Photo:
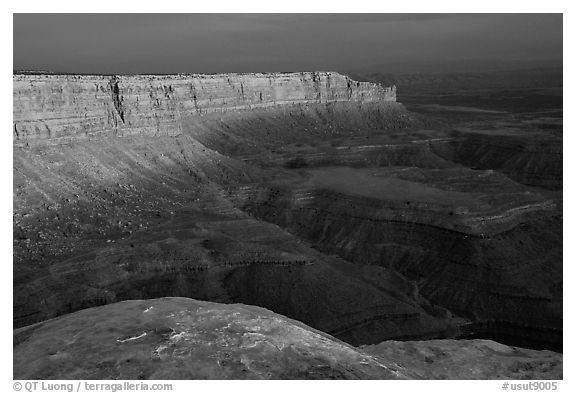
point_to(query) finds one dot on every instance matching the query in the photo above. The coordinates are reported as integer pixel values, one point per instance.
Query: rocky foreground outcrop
(180, 338)
(469, 359)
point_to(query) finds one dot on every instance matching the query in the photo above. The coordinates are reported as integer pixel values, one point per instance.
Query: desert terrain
(371, 226)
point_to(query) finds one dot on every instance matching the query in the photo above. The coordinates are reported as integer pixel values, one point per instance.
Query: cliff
(57, 106)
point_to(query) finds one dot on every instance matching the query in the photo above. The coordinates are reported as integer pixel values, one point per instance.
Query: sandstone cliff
(57, 106)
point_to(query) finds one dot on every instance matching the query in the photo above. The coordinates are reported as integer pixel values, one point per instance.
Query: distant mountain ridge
(528, 78)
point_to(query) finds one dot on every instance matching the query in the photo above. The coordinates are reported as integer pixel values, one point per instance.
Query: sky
(215, 43)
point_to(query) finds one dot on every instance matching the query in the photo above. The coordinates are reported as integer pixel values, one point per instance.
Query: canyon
(312, 195)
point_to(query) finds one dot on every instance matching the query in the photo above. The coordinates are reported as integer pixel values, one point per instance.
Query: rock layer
(475, 267)
(64, 106)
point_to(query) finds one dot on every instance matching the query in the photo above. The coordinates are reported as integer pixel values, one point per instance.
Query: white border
(300, 6)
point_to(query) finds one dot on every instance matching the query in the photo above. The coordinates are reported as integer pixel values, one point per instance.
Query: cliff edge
(56, 106)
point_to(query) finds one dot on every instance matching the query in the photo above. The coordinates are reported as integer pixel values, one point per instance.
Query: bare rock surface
(470, 359)
(180, 338)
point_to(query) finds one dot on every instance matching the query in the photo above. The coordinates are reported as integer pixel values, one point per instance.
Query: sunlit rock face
(61, 106)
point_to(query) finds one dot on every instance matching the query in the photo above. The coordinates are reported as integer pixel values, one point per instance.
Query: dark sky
(212, 43)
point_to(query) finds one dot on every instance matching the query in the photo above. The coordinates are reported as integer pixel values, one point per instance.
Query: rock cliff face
(61, 106)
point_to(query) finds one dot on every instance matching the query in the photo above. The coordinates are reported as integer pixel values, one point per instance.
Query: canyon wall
(61, 106)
